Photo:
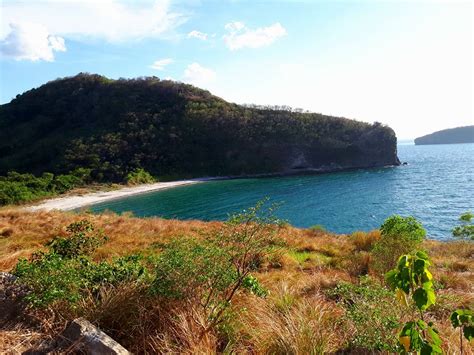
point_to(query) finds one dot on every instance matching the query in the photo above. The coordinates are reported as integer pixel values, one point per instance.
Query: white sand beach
(67, 203)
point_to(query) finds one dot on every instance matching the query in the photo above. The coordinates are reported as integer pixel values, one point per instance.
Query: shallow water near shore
(436, 187)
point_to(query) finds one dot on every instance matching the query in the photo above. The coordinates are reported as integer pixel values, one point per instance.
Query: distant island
(448, 136)
(175, 130)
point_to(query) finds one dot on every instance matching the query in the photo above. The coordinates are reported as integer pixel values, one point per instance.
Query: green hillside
(173, 129)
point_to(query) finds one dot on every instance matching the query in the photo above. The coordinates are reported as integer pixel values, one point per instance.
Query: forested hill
(170, 128)
(448, 136)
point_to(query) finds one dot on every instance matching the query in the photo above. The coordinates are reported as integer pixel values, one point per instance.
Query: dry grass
(364, 241)
(19, 340)
(296, 318)
(289, 325)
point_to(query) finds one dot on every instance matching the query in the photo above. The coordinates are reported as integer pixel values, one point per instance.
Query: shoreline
(69, 203)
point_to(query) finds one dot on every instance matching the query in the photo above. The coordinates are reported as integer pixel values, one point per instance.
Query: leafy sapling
(412, 282)
(464, 320)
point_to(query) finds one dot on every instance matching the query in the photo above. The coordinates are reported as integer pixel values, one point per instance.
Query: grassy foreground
(322, 293)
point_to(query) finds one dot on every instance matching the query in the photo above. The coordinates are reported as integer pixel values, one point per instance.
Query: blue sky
(404, 63)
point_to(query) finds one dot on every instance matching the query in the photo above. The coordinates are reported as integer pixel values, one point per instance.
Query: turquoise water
(436, 187)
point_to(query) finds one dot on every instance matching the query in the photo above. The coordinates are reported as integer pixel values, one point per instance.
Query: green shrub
(408, 227)
(84, 174)
(13, 193)
(139, 176)
(17, 188)
(189, 268)
(466, 229)
(65, 272)
(51, 277)
(399, 235)
(81, 241)
(373, 312)
(63, 183)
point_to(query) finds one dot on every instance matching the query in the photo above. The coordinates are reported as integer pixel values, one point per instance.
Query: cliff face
(168, 128)
(448, 136)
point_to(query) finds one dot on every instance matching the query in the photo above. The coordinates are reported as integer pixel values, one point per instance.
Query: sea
(435, 186)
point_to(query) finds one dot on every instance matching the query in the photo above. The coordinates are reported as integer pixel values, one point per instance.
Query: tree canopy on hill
(114, 127)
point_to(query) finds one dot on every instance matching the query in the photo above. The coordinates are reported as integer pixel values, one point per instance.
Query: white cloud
(28, 41)
(161, 63)
(112, 20)
(198, 75)
(197, 34)
(234, 26)
(240, 36)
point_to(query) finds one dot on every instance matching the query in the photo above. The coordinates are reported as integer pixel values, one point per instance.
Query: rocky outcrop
(82, 337)
(11, 294)
(376, 147)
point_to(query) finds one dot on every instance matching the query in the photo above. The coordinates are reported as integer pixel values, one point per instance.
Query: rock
(81, 336)
(11, 295)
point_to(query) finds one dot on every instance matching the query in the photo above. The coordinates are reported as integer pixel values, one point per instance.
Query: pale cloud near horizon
(29, 41)
(161, 63)
(111, 20)
(198, 34)
(198, 75)
(240, 36)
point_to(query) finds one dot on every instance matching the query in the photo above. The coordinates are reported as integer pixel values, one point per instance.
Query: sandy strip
(67, 203)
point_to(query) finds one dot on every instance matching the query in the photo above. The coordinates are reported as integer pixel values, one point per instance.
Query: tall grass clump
(290, 324)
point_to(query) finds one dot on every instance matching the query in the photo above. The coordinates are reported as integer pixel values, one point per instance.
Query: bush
(407, 227)
(399, 235)
(189, 268)
(139, 176)
(81, 241)
(65, 272)
(63, 183)
(372, 311)
(51, 277)
(466, 229)
(16, 188)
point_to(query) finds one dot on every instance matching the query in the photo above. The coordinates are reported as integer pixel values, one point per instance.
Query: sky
(407, 64)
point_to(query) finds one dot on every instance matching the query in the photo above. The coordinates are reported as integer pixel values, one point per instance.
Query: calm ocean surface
(436, 187)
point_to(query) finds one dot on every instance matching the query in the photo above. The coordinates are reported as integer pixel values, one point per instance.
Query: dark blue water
(436, 187)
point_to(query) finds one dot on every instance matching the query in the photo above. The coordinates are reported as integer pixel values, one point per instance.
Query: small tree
(466, 229)
(210, 271)
(411, 279)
